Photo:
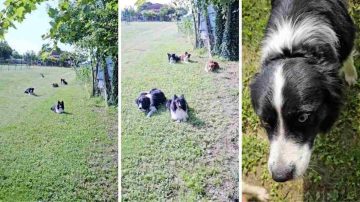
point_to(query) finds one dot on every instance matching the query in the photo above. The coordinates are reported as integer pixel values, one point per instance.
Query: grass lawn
(334, 170)
(164, 160)
(50, 157)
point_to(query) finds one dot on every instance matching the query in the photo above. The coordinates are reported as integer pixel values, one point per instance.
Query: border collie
(30, 91)
(63, 82)
(173, 58)
(149, 102)
(58, 108)
(178, 108)
(298, 91)
(185, 57)
(211, 66)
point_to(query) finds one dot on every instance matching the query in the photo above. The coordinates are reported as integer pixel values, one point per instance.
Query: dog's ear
(137, 101)
(174, 97)
(182, 96)
(189, 55)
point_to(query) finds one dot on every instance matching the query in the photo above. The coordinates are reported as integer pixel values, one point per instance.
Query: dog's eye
(303, 117)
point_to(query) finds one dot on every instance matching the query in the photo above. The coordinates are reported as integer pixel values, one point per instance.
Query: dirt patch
(226, 148)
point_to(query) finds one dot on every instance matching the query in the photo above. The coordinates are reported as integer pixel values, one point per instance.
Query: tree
(30, 57)
(5, 50)
(16, 55)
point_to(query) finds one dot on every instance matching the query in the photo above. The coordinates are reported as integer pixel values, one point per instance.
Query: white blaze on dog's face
(293, 106)
(288, 159)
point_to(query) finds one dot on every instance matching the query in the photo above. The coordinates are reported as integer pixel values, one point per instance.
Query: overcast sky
(27, 36)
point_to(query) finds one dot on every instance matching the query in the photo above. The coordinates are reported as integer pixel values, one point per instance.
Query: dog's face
(180, 102)
(60, 106)
(143, 102)
(294, 102)
(172, 58)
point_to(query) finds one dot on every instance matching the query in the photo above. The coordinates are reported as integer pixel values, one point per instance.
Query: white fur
(350, 70)
(152, 110)
(179, 115)
(59, 111)
(285, 151)
(288, 32)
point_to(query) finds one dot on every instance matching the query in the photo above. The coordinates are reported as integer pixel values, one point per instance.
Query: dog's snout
(282, 173)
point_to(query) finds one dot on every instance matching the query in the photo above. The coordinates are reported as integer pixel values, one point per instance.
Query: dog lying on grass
(178, 108)
(149, 102)
(30, 91)
(212, 66)
(58, 108)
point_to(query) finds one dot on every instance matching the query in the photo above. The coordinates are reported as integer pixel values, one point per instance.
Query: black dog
(178, 108)
(150, 101)
(298, 92)
(55, 85)
(59, 107)
(63, 82)
(173, 58)
(30, 91)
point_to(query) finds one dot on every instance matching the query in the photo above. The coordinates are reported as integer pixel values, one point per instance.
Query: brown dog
(185, 57)
(212, 66)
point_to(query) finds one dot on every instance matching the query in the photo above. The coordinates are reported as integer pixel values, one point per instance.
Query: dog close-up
(185, 57)
(178, 108)
(299, 90)
(173, 58)
(211, 66)
(55, 85)
(63, 82)
(29, 91)
(59, 107)
(149, 102)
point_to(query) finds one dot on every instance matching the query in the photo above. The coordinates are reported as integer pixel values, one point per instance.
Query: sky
(127, 3)
(27, 35)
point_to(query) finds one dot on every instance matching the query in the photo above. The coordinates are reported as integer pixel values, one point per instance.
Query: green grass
(164, 160)
(50, 157)
(334, 171)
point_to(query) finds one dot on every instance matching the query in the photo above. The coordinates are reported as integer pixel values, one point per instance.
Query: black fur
(63, 82)
(55, 85)
(59, 106)
(29, 91)
(153, 98)
(173, 58)
(177, 102)
(311, 70)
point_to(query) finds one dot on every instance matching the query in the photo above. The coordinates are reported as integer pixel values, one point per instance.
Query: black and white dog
(298, 91)
(55, 85)
(30, 91)
(178, 108)
(63, 82)
(149, 102)
(173, 58)
(59, 107)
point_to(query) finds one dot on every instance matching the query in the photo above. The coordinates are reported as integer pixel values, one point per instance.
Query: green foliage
(5, 50)
(230, 40)
(84, 73)
(219, 31)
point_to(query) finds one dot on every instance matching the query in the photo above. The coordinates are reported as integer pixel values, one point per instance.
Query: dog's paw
(262, 195)
(351, 79)
(178, 121)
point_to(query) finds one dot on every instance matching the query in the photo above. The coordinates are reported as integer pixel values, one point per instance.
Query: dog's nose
(283, 173)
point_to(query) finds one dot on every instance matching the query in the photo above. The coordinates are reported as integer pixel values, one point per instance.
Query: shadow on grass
(194, 120)
(334, 171)
(67, 113)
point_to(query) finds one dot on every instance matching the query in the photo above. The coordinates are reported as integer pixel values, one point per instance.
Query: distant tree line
(147, 11)
(47, 56)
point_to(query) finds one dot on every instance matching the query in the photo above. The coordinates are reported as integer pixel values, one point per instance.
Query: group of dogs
(59, 107)
(149, 102)
(210, 66)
